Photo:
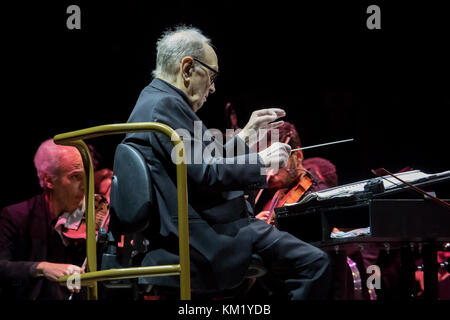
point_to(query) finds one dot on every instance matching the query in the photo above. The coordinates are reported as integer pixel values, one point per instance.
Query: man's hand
(276, 156)
(262, 119)
(53, 271)
(265, 216)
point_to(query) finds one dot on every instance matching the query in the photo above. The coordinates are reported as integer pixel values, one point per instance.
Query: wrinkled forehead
(70, 159)
(211, 57)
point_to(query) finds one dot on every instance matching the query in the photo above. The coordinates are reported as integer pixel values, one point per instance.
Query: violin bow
(275, 200)
(383, 172)
(104, 222)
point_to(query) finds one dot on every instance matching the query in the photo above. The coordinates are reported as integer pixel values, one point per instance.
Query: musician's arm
(222, 173)
(9, 233)
(24, 270)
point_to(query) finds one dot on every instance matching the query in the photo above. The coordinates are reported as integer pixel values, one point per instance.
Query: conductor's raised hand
(262, 119)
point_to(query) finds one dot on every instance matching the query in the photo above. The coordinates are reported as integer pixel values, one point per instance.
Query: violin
(101, 205)
(101, 220)
(294, 195)
(281, 197)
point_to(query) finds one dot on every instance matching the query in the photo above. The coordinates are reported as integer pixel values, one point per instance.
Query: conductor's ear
(187, 68)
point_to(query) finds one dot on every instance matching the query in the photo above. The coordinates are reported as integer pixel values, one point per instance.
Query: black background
(336, 79)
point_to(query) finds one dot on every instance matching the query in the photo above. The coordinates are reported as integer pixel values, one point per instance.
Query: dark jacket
(23, 239)
(221, 247)
(27, 238)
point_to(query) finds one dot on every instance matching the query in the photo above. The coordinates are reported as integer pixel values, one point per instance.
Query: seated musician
(33, 252)
(223, 237)
(300, 177)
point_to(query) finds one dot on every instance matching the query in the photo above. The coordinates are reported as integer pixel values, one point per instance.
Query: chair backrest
(131, 190)
(135, 214)
(130, 212)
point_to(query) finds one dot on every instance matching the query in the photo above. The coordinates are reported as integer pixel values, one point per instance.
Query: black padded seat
(131, 190)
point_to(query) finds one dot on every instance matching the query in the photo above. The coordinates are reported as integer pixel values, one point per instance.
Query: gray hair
(176, 44)
(46, 160)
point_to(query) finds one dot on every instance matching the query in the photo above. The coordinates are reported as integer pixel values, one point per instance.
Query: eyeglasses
(212, 77)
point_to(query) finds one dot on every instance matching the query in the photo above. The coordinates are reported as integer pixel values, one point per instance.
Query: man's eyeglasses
(213, 76)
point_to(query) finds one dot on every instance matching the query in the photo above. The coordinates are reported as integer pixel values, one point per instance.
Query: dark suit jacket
(27, 238)
(221, 245)
(23, 243)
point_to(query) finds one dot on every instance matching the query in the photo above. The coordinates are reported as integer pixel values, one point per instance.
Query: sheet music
(389, 182)
(350, 234)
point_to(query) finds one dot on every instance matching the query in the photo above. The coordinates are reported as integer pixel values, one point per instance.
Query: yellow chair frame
(92, 276)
